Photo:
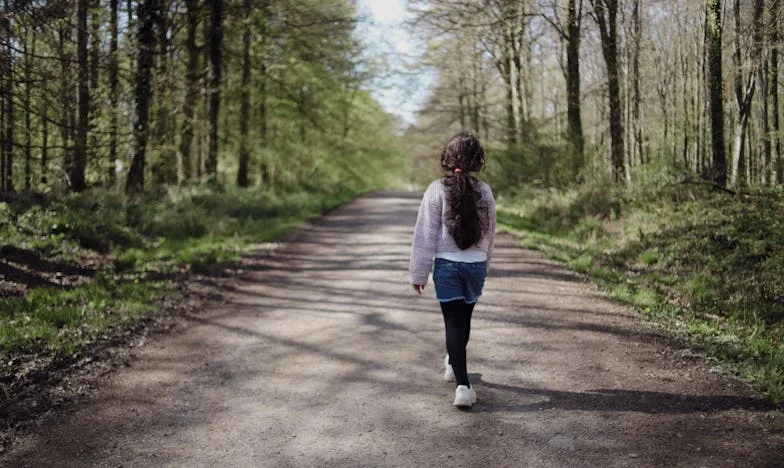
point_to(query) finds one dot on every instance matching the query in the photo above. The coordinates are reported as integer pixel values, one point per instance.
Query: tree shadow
(36, 262)
(16, 275)
(506, 398)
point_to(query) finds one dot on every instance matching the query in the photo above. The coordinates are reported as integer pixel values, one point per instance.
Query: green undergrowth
(705, 265)
(141, 243)
(60, 323)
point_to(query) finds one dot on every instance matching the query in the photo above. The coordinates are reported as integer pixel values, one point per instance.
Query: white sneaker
(449, 373)
(465, 396)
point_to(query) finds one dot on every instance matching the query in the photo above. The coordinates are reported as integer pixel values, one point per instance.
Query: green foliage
(706, 264)
(60, 323)
(190, 229)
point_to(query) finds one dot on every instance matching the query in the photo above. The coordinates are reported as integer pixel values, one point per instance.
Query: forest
(639, 142)
(145, 141)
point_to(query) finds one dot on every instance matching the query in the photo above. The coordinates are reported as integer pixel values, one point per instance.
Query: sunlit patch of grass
(650, 256)
(646, 298)
(583, 264)
(59, 322)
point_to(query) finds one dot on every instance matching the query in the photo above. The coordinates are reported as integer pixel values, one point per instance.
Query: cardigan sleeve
(491, 225)
(426, 233)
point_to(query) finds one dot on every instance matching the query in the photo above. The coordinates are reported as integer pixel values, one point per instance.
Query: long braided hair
(467, 218)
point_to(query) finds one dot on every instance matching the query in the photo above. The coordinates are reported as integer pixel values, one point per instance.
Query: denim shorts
(458, 280)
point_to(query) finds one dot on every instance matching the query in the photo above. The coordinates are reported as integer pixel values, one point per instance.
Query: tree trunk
(95, 11)
(461, 105)
(606, 12)
(28, 131)
(7, 103)
(262, 94)
(165, 170)
(713, 33)
(66, 111)
(191, 89)
(511, 127)
(768, 172)
(744, 94)
(573, 85)
(77, 171)
(113, 93)
(45, 142)
(216, 57)
(242, 172)
(636, 96)
(146, 19)
(775, 40)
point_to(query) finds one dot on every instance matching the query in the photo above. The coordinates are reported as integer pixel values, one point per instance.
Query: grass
(705, 266)
(50, 321)
(140, 240)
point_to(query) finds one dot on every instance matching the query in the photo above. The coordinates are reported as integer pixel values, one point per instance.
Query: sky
(403, 88)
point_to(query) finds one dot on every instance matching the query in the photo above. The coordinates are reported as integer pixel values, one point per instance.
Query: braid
(466, 220)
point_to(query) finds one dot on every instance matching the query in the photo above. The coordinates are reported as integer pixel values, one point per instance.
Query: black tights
(457, 320)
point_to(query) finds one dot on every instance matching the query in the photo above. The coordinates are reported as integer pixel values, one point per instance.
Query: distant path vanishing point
(323, 356)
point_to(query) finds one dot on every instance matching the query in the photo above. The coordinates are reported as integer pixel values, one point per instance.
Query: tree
(713, 33)
(6, 104)
(574, 22)
(745, 85)
(606, 15)
(636, 97)
(571, 34)
(79, 163)
(28, 150)
(242, 171)
(191, 88)
(114, 83)
(216, 57)
(774, 26)
(145, 21)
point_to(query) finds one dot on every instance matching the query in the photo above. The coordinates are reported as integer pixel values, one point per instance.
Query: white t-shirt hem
(464, 256)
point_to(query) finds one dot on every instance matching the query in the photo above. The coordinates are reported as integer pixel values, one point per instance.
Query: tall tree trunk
(768, 171)
(113, 92)
(191, 88)
(744, 93)
(166, 166)
(606, 12)
(636, 95)
(7, 103)
(264, 168)
(242, 172)
(713, 33)
(77, 171)
(4, 30)
(66, 94)
(775, 41)
(216, 59)
(461, 104)
(44, 142)
(95, 48)
(511, 126)
(574, 20)
(28, 131)
(761, 31)
(4, 64)
(146, 19)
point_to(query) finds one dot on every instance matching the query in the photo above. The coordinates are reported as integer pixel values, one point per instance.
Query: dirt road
(323, 356)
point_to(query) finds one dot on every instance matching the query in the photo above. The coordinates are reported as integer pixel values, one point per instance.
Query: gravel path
(323, 356)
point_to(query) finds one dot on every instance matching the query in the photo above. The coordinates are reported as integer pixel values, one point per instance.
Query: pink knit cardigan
(431, 235)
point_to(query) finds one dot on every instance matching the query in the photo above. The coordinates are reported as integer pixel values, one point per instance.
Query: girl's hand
(418, 288)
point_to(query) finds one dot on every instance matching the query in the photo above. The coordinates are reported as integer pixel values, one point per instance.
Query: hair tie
(458, 170)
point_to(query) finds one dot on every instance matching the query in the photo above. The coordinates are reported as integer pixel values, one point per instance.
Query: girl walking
(456, 227)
